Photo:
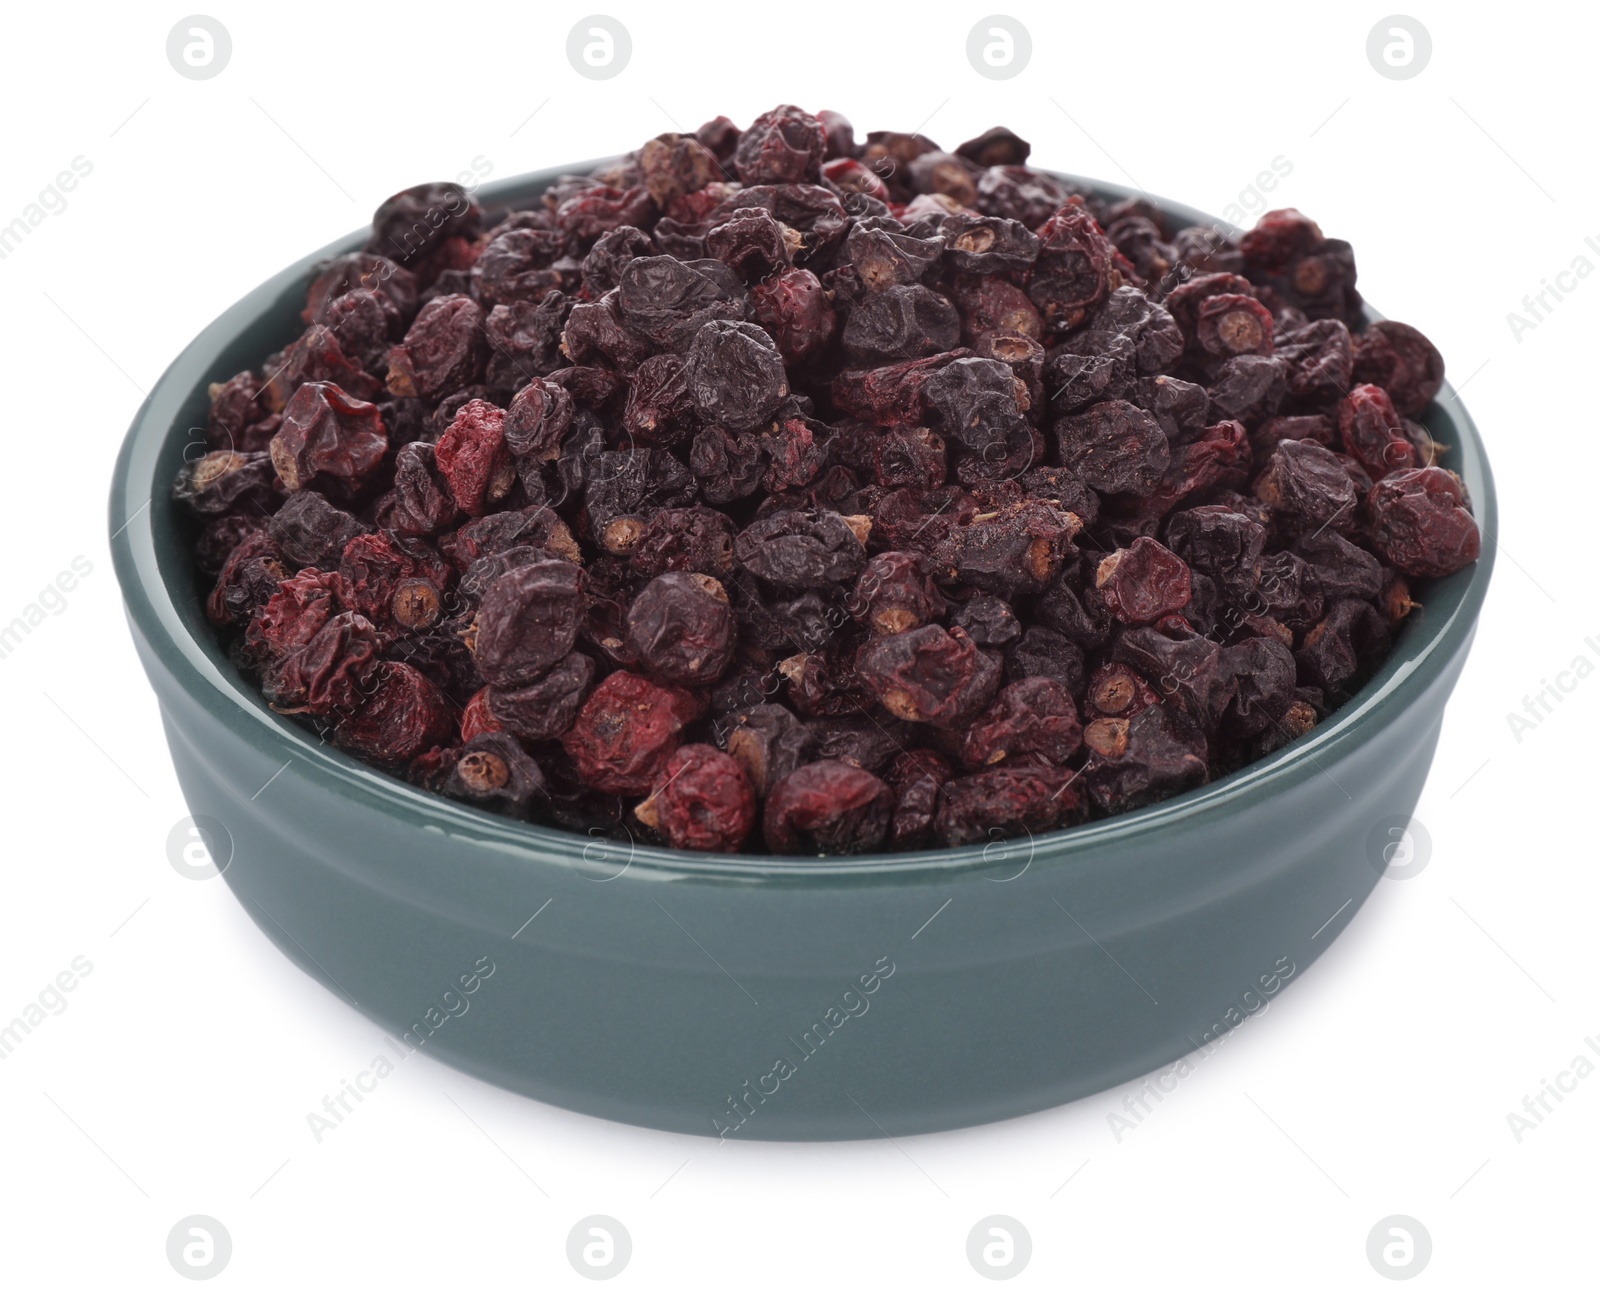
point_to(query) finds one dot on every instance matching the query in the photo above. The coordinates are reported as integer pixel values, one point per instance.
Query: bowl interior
(152, 545)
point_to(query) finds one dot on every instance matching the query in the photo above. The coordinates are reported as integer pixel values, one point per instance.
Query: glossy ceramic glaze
(765, 997)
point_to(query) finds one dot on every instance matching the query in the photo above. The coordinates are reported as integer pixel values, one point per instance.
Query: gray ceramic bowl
(762, 997)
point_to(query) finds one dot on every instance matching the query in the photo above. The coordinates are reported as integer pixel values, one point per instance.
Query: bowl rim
(138, 499)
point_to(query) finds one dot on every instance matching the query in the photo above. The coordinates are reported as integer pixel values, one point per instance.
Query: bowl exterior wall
(838, 1009)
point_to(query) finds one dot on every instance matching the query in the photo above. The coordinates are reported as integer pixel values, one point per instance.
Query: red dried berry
(393, 581)
(1033, 717)
(1015, 799)
(1403, 362)
(1307, 488)
(302, 605)
(1156, 753)
(331, 674)
(224, 481)
(1114, 446)
(1143, 582)
(896, 592)
(1074, 269)
(735, 376)
(930, 674)
(681, 628)
(403, 716)
(1231, 324)
(315, 356)
(545, 707)
(784, 146)
(472, 457)
(917, 777)
(827, 808)
(702, 801)
(1373, 433)
(493, 771)
(443, 351)
(249, 577)
(477, 718)
(328, 439)
(625, 732)
(794, 308)
(1420, 522)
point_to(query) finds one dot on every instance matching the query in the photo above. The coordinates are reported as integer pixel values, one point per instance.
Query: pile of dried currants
(774, 487)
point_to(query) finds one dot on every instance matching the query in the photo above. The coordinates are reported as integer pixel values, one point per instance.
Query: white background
(178, 1078)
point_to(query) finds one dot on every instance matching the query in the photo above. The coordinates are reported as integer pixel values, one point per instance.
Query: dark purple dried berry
(736, 376)
(1114, 447)
(784, 146)
(528, 621)
(827, 808)
(328, 439)
(543, 707)
(1420, 522)
(681, 628)
(929, 675)
(802, 548)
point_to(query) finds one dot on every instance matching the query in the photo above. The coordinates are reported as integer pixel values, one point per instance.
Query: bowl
(763, 997)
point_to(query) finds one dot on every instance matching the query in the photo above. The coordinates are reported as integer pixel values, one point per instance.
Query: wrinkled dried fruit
(901, 497)
(827, 808)
(626, 730)
(528, 621)
(703, 802)
(1421, 524)
(681, 628)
